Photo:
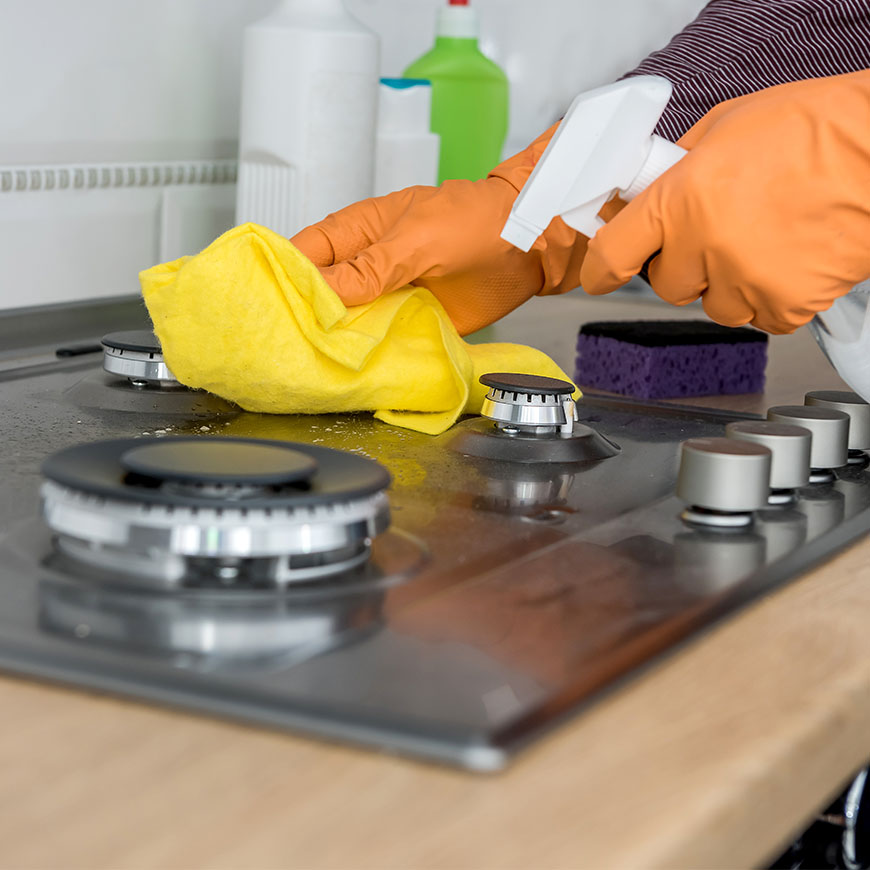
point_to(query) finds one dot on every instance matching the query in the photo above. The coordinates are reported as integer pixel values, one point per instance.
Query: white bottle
(407, 150)
(308, 114)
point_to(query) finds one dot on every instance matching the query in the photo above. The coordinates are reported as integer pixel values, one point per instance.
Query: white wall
(142, 96)
(550, 49)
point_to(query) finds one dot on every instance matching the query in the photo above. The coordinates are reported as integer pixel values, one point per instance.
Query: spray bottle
(605, 146)
(310, 77)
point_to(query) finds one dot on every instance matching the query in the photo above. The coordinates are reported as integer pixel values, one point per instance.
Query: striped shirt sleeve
(737, 47)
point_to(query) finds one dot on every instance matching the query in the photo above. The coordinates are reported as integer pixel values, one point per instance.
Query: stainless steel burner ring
(539, 414)
(529, 403)
(140, 367)
(163, 544)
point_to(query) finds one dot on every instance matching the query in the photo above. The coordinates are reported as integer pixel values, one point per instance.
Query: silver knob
(830, 447)
(790, 447)
(855, 408)
(723, 480)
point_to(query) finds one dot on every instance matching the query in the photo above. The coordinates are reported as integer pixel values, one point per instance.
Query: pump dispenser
(605, 145)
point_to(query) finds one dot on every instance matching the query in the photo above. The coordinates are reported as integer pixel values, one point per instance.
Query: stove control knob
(830, 428)
(790, 450)
(723, 480)
(529, 403)
(858, 412)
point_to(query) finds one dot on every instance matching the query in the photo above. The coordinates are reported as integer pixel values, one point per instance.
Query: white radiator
(81, 231)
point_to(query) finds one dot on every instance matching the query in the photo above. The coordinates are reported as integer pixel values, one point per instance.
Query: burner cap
(221, 461)
(101, 468)
(518, 383)
(137, 340)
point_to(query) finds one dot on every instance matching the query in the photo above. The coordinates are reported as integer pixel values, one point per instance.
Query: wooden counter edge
(713, 758)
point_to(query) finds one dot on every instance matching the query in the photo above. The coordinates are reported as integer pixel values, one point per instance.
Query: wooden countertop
(712, 758)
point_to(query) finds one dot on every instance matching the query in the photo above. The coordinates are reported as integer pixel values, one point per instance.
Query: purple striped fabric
(737, 47)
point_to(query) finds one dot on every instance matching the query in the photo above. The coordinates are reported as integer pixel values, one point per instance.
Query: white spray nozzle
(604, 145)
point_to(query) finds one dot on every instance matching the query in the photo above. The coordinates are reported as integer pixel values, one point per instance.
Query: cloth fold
(252, 320)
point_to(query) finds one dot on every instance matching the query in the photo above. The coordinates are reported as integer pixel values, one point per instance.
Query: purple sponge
(666, 359)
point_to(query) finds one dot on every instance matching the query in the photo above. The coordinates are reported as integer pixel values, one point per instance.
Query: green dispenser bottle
(469, 95)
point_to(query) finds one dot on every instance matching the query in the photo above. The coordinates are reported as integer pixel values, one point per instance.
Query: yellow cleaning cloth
(252, 320)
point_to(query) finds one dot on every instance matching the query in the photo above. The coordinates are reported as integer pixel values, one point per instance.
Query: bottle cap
(458, 20)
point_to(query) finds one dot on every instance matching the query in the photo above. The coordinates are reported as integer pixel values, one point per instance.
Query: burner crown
(529, 403)
(136, 355)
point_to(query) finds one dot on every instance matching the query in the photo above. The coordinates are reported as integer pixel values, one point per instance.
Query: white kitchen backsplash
(550, 49)
(119, 117)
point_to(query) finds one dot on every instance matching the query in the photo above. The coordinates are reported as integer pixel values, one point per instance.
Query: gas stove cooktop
(451, 598)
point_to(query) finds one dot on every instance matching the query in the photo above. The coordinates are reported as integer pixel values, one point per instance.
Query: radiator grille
(17, 179)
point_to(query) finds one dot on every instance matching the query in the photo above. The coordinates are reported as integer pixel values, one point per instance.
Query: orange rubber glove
(446, 239)
(767, 219)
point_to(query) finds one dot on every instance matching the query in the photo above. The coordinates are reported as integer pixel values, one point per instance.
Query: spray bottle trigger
(585, 218)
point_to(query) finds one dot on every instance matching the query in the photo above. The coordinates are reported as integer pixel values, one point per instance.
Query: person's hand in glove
(446, 239)
(767, 219)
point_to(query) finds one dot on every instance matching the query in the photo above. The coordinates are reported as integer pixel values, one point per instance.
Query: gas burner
(529, 404)
(137, 356)
(213, 513)
(535, 420)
